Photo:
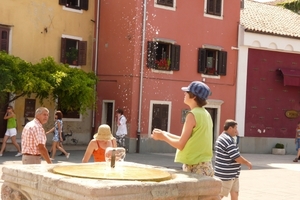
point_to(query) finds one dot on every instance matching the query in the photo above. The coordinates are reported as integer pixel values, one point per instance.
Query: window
(29, 110)
(165, 4)
(214, 7)
(160, 113)
(163, 56)
(169, 3)
(76, 4)
(74, 114)
(73, 52)
(212, 61)
(4, 39)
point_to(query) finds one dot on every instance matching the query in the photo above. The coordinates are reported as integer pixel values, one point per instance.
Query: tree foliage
(293, 5)
(47, 80)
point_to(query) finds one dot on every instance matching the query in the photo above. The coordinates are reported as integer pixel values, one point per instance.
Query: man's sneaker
(1, 155)
(18, 154)
(68, 155)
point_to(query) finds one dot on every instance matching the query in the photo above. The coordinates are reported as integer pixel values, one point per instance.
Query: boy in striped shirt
(228, 160)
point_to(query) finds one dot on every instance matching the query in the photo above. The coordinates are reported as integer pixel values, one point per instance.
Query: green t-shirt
(11, 123)
(199, 146)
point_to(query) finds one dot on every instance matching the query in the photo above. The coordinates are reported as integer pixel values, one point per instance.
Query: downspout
(141, 79)
(96, 60)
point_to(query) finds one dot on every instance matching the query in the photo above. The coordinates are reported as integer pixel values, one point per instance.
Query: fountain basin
(39, 182)
(123, 171)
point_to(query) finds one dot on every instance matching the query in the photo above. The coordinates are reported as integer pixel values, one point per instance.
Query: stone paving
(273, 177)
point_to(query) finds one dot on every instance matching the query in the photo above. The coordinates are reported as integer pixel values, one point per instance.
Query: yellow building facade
(35, 29)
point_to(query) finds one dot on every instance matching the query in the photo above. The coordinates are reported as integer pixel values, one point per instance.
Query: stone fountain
(101, 181)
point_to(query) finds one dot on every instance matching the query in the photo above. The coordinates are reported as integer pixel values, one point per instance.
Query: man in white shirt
(122, 128)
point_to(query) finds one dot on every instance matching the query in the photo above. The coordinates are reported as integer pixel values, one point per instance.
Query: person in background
(34, 139)
(97, 146)
(297, 142)
(194, 145)
(122, 128)
(57, 135)
(228, 160)
(11, 131)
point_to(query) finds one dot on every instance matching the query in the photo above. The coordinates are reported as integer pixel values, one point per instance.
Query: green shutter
(222, 63)
(151, 54)
(84, 4)
(63, 50)
(201, 60)
(82, 51)
(175, 57)
(62, 2)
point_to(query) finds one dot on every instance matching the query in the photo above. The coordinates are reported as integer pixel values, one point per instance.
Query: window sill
(75, 66)
(72, 9)
(211, 76)
(213, 16)
(161, 71)
(165, 7)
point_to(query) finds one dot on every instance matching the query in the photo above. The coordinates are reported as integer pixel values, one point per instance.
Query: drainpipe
(141, 79)
(96, 60)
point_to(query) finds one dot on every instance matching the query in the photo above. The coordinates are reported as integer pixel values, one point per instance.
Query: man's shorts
(204, 168)
(11, 132)
(229, 186)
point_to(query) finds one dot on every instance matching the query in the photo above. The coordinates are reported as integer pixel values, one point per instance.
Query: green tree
(293, 5)
(47, 80)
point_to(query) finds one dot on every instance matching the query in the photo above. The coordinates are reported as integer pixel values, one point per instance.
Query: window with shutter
(4, 39)
(75, 4)
(214, 7)
(212, 62)
(169, 3)
(73, 52)
(163, 56)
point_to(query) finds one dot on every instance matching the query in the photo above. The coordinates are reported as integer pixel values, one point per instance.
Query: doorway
(108, 108)
(213, 113)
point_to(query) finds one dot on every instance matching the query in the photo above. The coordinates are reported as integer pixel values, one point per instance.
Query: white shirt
(122, 129)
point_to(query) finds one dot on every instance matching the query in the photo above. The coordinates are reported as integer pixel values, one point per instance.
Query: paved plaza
(273, 177)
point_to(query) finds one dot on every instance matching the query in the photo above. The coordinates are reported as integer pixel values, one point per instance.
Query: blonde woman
(97, 146)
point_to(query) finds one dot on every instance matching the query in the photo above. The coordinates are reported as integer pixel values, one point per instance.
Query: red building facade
(147, 52)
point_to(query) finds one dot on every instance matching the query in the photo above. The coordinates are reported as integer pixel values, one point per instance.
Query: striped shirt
(226, 168)
(33, 134)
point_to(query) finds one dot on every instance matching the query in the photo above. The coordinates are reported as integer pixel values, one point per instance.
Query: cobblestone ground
(273, 177)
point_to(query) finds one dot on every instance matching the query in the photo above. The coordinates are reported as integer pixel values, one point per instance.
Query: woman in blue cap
(194, 145)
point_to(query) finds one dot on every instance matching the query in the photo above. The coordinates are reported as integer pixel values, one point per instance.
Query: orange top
(99, 154)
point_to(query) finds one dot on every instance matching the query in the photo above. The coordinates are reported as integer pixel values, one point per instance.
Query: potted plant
(278, 149)
(72, 55)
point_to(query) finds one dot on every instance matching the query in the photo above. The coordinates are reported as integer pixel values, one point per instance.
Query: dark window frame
(29, 110)
(4, 38)
(81, 4)
(217, 66)
(169, 3)
(160, 116)
(67, 45)
(214, 7)
(163, 56)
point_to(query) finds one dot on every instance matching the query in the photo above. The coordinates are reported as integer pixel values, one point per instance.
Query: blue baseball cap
(198, 88)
